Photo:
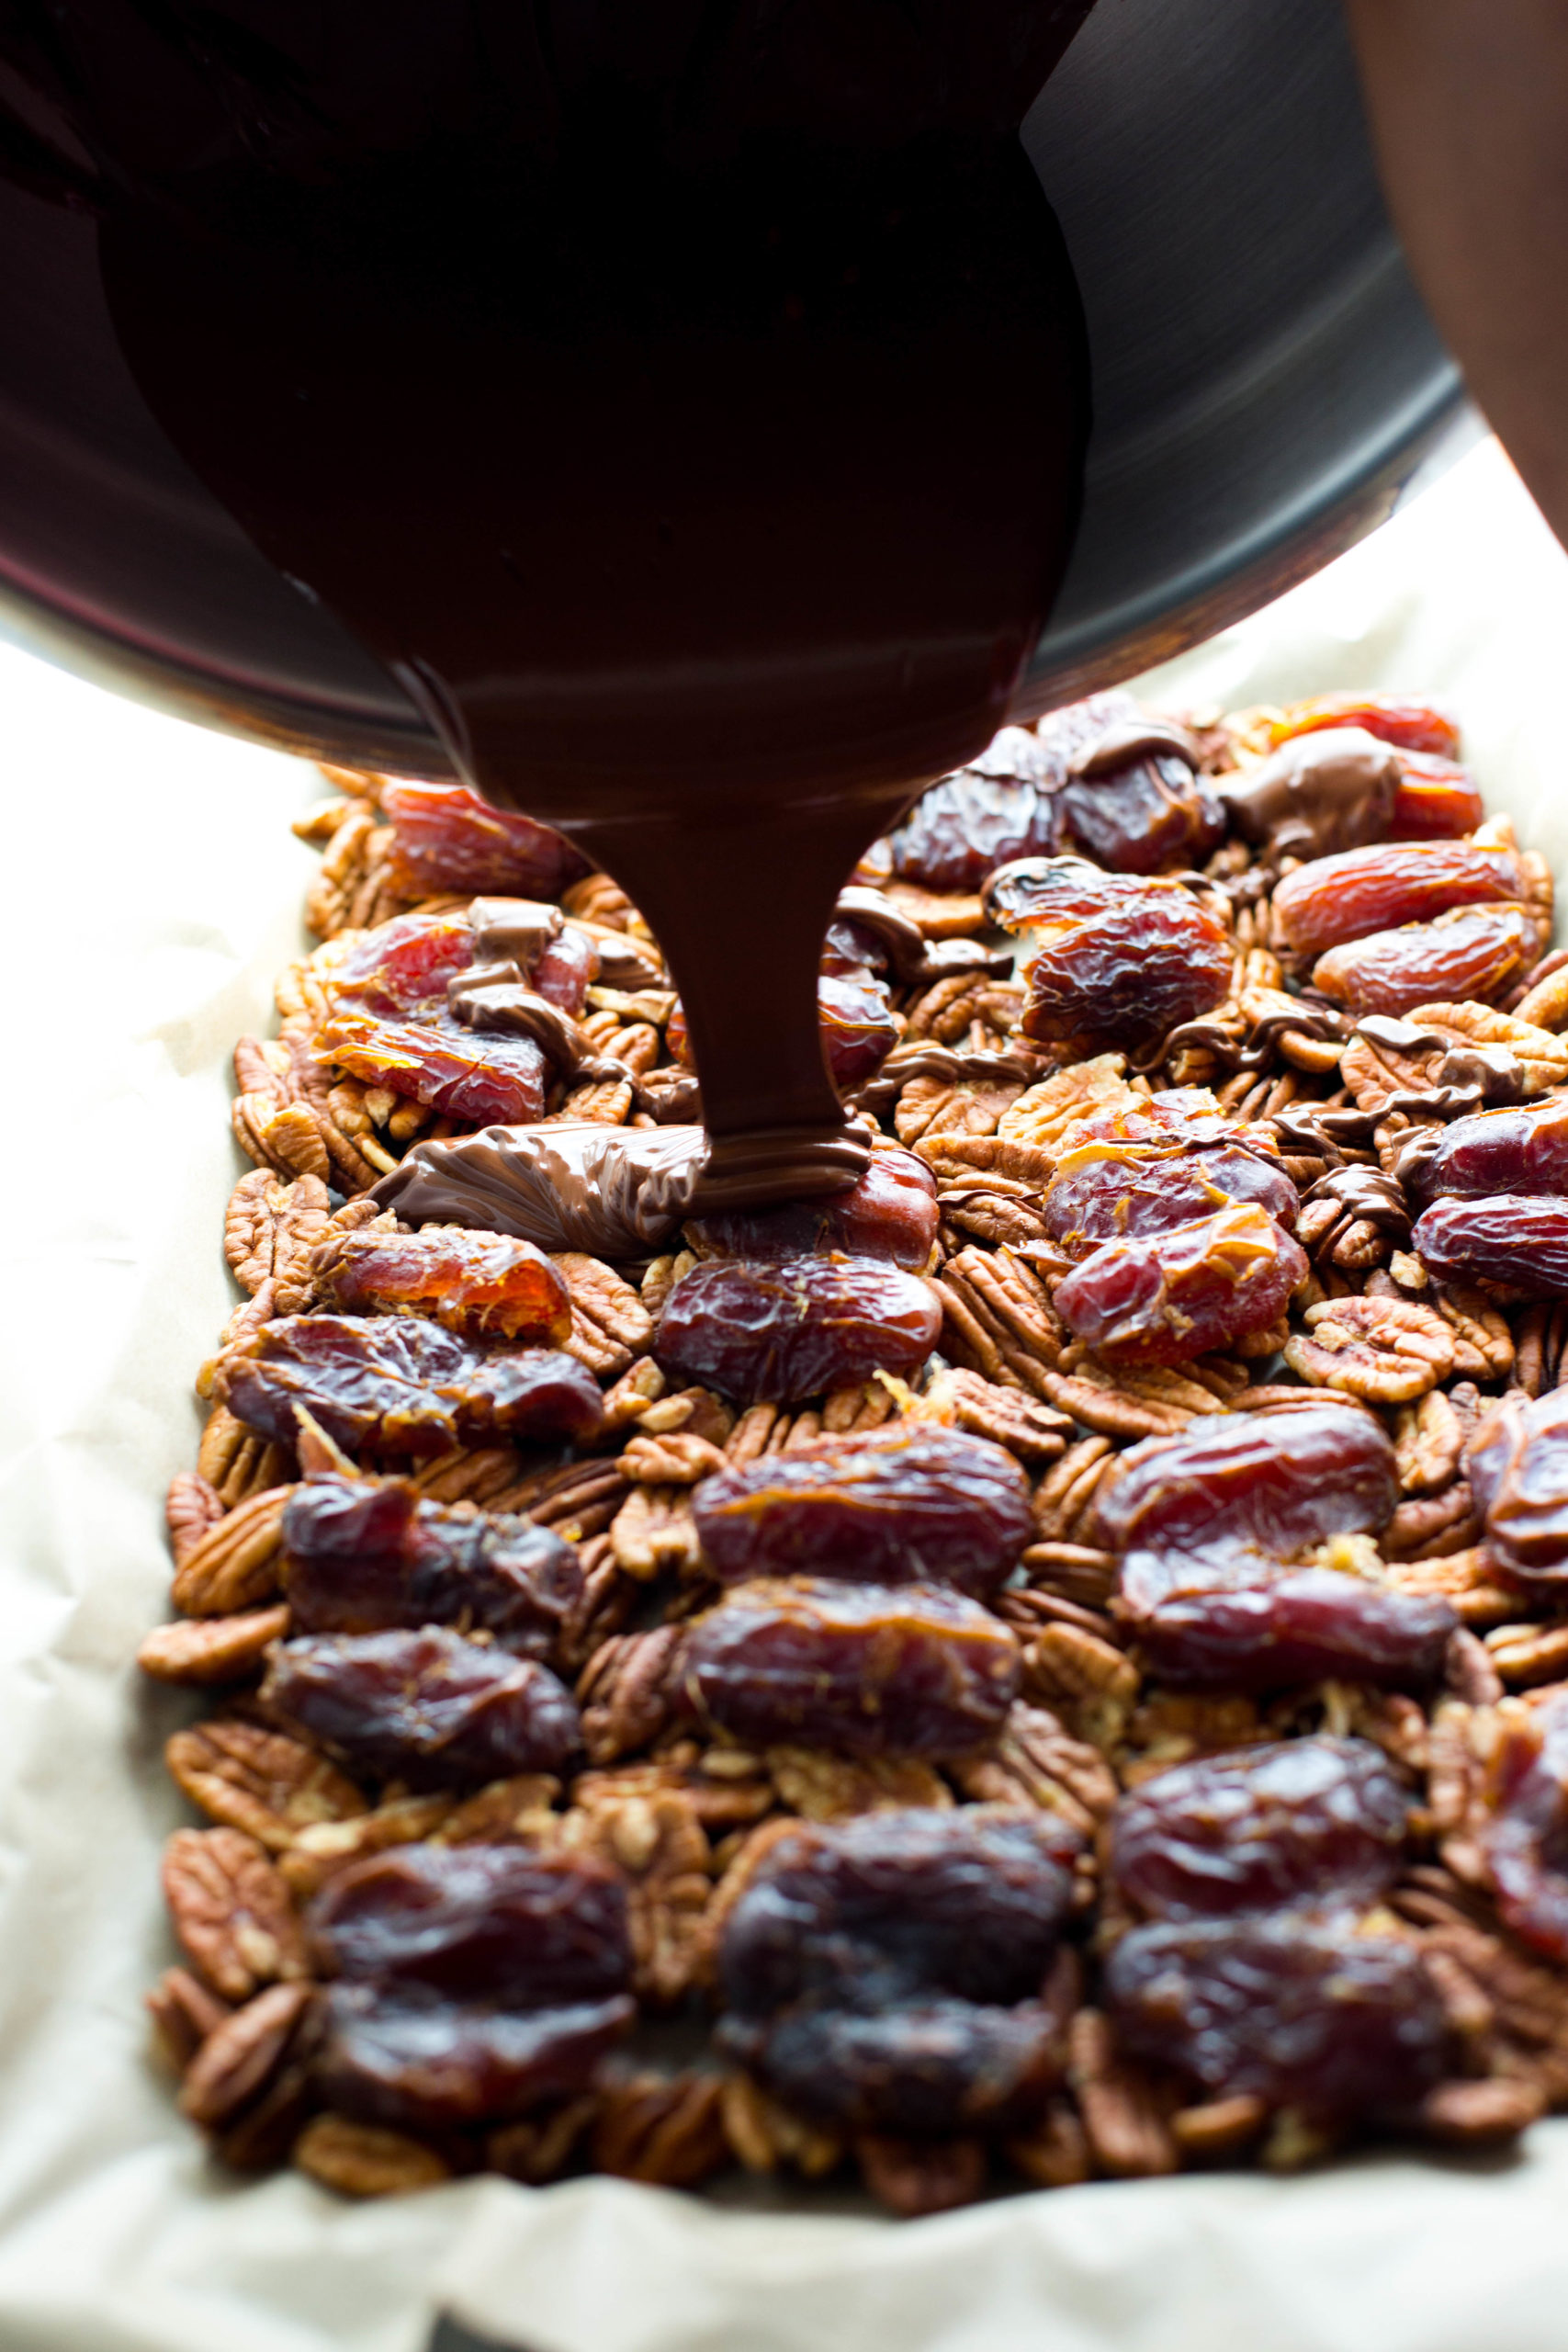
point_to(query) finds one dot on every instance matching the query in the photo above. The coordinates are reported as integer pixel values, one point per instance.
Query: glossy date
(481, 1285)
(396, 1383)
(780, 1332)
(1108, 1192)
(1172, 1296)
(1234, 1616)
(428, 1707)
(1146, 818)
(974, 820)
(1516, 1462)
(1317, 1823)
(476, 1077)
(888, 1973)
(1303, 2012)
(1111, 959)
(1285, 1479)
(361, 1555)
(445, 838)
(1470, 954)
(856, 1669)
(913, 1503)
(1522, 1149)
(1332, 899)
(1519, 1240)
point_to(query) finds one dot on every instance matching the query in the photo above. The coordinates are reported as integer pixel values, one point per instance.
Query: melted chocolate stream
(687, 406)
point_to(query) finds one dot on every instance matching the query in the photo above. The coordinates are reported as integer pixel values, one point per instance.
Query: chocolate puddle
(686, 404)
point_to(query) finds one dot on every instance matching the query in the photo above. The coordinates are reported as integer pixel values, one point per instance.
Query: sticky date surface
(483, 1286)
(1315, 1822)
(906, 1504)
(1522, 1149)
(1167, 1297)
(890, 1212)
(890, 1974)
(445, 838)
(857, 1669)
(1103, 1193)
(1475, 953)
(426, 1707)
(1145, 818)
(1516, 1238)
(1332, 899)
(1232, 1616)
(795, 1328)
(1518, 1467)
(1111, 959)
(395, 1383)
(1285, 1479)
(361, 1555)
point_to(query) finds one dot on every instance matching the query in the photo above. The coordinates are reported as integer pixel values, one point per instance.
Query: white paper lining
(153, 888)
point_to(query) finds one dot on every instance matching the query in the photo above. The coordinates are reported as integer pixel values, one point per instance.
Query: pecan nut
(265, 1782)
(236, 1564)
(211, 1649)
(367, 2159)
(235, 2063)
(1384, 1350)
(231, 1911)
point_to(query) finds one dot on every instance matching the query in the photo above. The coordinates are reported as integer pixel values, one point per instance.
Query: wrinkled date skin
(1517, 1465)
(857, 1669)
(405, 963)
(445, 838)
(1516, 1238)
(890, 1212)
(1113, 959)
(481, 1285)
(1145, 818)
(1517, 1151)
(780, 1332)
(481, 1078)
(1411, 725)
(1318, 1821)
(1179, 1114)
(1473, 953)
(1234, 1617)
(473, 1982)
(1304, 2013)
(890, 1974)
(566, 968)
(1172, 1296)
(914, 1503)
(1107, 1193)
(971, 822)
(395, 1383)
(1525, 1842)
(427, 1707)
(1362, 891)
(1437, 800)
(1285, 1479)
(361, 1555)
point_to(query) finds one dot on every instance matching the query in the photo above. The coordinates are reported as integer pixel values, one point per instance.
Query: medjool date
(899, 1505)
(857, 1669)
(795, 1329)
(365, 1554)
(972, 821)
(1232, 1616)
(1472, 953)
(1283, 1479)
(1363, 890)
(479, 1284)
(395, 1383)
(1523, 1834)
(427, 1707)
(404, 963)
(1144, 817)
(1412, 725)
(1516, 1238)
(1522, 1149)
(1171, 1296)
(1111, 959)
(474, 1982)
(890, 1974)
(1107, 1191)
(465, 1073)
(445, 838)
(890, 1212)
(1516, 1462)
(1314, 2014)
(1299, 1822)
(858, 1030)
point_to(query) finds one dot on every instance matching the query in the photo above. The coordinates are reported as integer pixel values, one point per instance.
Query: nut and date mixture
(1052, 1664)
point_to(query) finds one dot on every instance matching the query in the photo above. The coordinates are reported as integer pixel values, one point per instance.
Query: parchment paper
(152, 889)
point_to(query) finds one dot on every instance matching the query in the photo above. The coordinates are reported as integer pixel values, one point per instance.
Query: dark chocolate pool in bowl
(1264, 381)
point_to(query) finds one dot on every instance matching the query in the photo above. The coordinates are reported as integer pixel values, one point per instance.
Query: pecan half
(265, 1782)
(184, 2013)
(916, 2177)
(236, 1564)
(231, 1911)
(235, 2063)
(655, 1529)
(833, 1788)
(1128, 2135)
(627, 1693)
(211, 1649)
(1036, 1761)
(367, 2159)
(610, 1324)
(1428, 1440)
(666, 2128)
(678, 1460)
(192, 1506)
(657, 1844)
(1384, 1350)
